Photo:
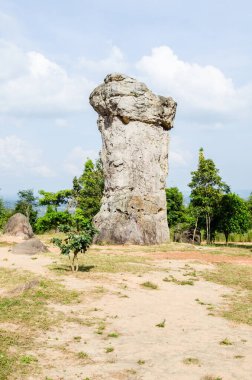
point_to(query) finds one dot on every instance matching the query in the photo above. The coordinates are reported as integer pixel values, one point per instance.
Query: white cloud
(76, 158)
(197, 89)
(30, 83)
(18, 157)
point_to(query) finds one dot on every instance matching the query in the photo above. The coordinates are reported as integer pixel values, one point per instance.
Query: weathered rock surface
(186, 236)
(134, 125)
(18, 225)
(29, 247)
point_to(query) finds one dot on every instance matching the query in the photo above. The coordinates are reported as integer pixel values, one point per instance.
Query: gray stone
(29, 247)
(18, 225)
(134, 125)
(186, 236)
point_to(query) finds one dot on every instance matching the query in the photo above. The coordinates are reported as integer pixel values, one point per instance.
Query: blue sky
(53, 53)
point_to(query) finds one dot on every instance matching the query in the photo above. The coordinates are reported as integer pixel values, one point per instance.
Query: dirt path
(113, 334)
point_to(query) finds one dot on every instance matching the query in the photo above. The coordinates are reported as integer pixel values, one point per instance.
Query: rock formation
(18, 225)
(134, 125)
(29, 247)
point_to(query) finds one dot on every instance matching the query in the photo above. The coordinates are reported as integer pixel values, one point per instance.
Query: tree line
(212, 208)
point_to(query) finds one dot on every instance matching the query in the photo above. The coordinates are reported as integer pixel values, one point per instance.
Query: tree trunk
(195, 228)
(226, 237)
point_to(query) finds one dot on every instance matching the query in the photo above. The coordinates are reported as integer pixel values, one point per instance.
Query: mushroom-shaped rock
(134, 125)
(18, 225)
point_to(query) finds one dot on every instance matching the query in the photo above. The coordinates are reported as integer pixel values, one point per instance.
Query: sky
(53, 53)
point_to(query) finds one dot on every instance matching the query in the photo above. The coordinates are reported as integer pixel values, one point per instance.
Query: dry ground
(130, 313)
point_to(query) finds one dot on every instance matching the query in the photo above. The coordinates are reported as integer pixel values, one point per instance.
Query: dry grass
(26, 307)
(238, 277)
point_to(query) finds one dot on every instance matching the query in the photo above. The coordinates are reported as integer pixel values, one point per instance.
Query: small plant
(77, 338)
(178, 282)
(109, 349)
(225, 342)
(141, 362)
(238, 356)
(149, 285)
(189, 361)
(161, 324)
(83, 355)
(76, 241)
(28, 359)
(113, 335)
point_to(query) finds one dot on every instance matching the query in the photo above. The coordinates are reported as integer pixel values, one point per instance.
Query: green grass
(161, 324)
(149, 285)
(82, 355)
(225, 342)
(113, 335)
(178, 282)
(109, 349)
(238, 277)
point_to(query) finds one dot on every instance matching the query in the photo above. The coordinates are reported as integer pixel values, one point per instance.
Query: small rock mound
(29, 247)
(186, 236)
(18, 225)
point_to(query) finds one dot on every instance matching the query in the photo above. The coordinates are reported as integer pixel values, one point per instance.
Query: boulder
(18, 225)
(134, 125)
(29, 247)
(186, 236)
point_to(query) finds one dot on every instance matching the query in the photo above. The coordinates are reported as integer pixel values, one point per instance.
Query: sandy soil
(142, 351)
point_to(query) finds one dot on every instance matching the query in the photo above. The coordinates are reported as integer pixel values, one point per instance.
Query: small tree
(207, 189)
(75, 242)
(26, 205)
(233, 215)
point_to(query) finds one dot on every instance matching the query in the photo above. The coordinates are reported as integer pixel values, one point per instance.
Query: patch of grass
(149, 285)
(12, 348)
(210, 377)
(189, 361)
(161, 324)
(113, 335)
(238, 277)
(30, 306)
(225, 342)
(109, 349)
(104, 263)
(82, 355)
(28, 359)
(25, 304)
(238, 356)
(141, 362)
(77, 338)
(178, 282)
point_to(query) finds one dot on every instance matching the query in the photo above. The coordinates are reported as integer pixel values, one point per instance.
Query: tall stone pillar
(134, 125)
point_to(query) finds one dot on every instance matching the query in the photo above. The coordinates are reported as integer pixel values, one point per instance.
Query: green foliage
(76, 241)
(52, 220)
(4, 214)
(175, 208)
(88, 189)
(249, 204)
(54, 199)
(26, 205)
(233, 215)
(207, 189)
